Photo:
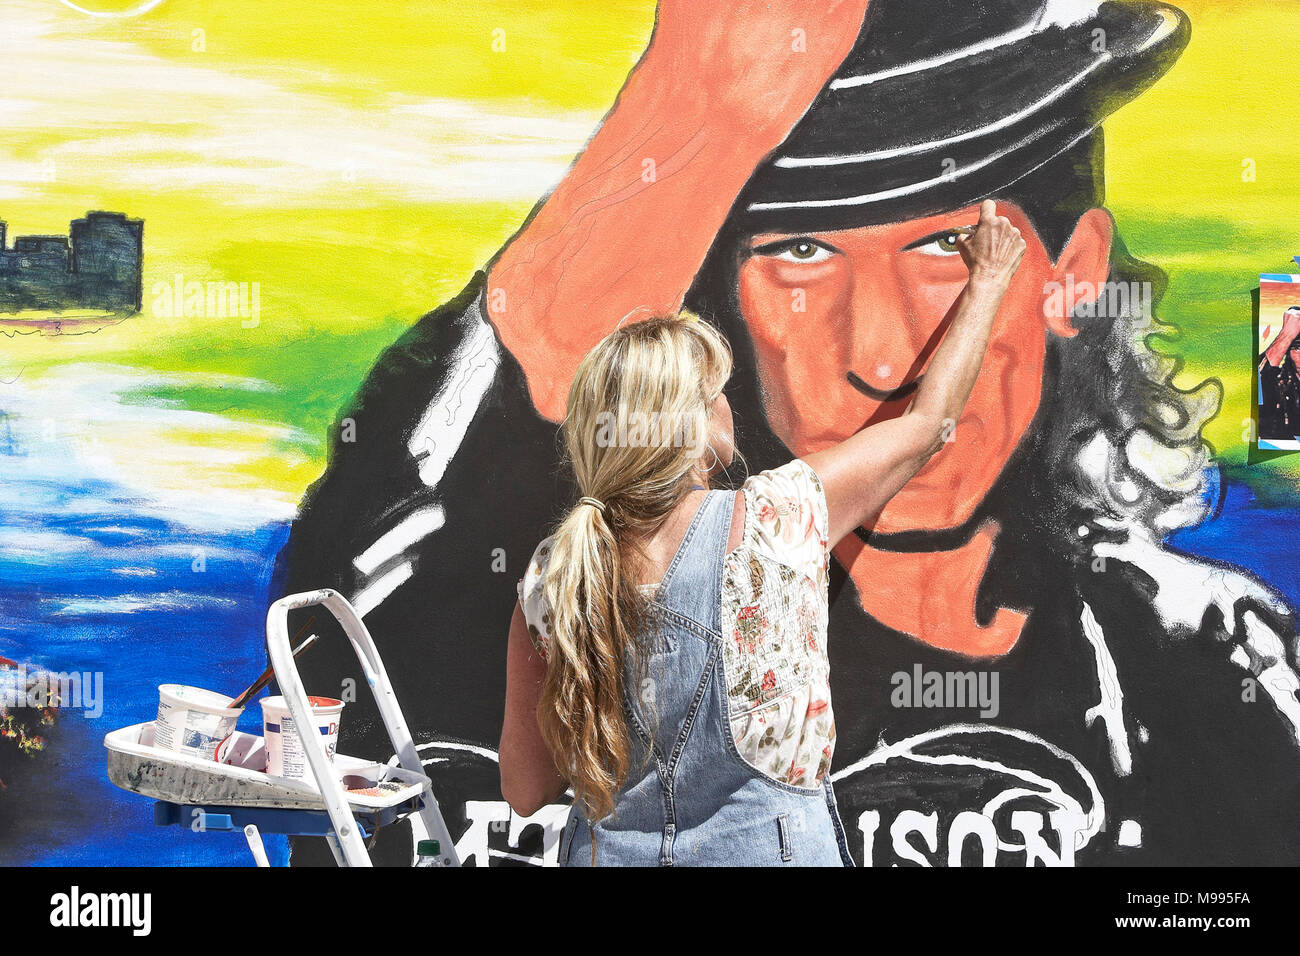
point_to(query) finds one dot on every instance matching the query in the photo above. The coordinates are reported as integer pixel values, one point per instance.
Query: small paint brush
(262, 681)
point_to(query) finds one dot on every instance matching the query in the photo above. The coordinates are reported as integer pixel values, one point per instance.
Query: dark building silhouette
(98, 265)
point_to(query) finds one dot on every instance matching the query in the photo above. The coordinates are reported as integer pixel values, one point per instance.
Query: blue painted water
(1252, 536)
(101, 587)
(140, 601)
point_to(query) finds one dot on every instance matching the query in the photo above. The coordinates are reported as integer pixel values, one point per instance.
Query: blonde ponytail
(637, 427)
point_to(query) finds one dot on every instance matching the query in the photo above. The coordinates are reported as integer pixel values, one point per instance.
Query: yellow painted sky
(359, 161)
(1232, 97)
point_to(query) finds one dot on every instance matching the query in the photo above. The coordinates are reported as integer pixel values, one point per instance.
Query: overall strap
(684, 549)
(697, 566)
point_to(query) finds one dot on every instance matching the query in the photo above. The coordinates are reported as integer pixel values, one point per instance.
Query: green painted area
(1203, 186)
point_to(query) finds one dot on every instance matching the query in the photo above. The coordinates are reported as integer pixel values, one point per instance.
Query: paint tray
(135, 764)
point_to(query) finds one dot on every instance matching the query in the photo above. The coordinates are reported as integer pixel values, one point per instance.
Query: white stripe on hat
(1169, 24)
(1057, 13)
(922, 186)
(794, 162)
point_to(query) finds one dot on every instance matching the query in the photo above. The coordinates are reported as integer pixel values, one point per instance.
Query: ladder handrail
(351, 844)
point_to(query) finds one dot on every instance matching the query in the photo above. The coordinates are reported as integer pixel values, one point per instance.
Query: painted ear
(1081, 272)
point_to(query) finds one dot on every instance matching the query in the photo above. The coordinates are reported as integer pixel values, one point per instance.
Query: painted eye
(801, 250)
(941, 245)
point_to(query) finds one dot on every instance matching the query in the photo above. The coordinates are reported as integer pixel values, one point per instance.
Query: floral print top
(774, 614)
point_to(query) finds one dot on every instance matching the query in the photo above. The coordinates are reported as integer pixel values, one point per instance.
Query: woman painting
(667, 656)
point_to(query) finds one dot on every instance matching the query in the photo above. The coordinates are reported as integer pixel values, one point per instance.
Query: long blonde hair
(636, 427)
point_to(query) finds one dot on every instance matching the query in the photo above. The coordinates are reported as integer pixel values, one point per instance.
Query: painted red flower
(769, 681)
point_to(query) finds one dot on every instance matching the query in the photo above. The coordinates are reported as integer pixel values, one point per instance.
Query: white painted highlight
(1130, 833)
(444, 424)
(250, 134)
(1110, 709)
(928, 183)
(374, 593)
(435, 440)
(1060, 13)
(453, 745)
(1057, 12)
(1051, 790)
(79, 424)
(135, 11)
(796, 162)
(403, 535)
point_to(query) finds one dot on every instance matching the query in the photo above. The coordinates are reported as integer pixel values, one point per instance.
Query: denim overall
(689, 799)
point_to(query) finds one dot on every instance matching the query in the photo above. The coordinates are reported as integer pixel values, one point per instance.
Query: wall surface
(313, 178)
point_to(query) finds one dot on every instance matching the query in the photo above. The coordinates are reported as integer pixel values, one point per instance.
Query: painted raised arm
(623, 235)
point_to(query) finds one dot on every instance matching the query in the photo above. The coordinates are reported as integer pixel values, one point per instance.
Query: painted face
(844, 324)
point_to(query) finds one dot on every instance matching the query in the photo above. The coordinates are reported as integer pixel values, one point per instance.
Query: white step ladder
(212, 789)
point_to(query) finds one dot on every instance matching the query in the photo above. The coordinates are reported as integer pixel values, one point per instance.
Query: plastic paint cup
(285, 756)
(192, 720)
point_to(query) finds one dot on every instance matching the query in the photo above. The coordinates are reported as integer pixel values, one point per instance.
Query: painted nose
(887, 339)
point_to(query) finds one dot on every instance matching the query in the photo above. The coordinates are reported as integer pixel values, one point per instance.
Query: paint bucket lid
(197, 699)
(319, 705)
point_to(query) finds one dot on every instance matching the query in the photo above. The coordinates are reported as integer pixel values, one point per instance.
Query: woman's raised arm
(720, 86)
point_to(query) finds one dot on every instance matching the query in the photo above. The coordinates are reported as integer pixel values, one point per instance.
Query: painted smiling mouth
(903, 391)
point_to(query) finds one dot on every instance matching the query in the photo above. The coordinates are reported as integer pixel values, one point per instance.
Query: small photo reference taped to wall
(1278, 349)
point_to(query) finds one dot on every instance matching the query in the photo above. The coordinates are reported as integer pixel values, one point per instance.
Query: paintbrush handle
(262, 681)
(253, 688)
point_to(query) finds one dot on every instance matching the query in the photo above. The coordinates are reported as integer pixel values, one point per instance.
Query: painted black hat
(943, 103)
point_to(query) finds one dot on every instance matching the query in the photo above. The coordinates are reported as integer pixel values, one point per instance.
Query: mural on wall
(1070, 640)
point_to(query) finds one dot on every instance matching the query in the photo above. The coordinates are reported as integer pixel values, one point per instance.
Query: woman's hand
(994, 252)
